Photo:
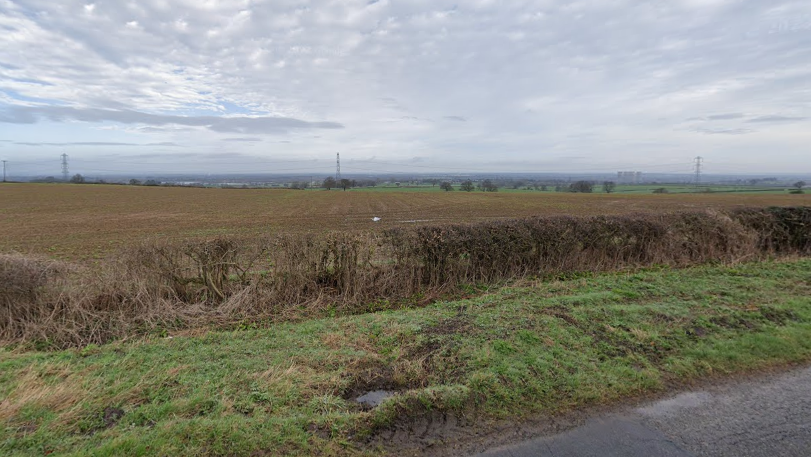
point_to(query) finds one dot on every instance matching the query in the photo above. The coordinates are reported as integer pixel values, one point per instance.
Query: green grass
(430, 188)
(518, 351)
(690, 189)
(598, 188)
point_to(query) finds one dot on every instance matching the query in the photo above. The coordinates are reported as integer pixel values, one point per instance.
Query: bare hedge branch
(162, 285)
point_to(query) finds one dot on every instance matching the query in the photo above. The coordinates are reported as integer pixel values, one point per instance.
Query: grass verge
(519, 351)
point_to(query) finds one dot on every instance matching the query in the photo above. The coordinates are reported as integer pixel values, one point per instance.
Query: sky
(281, 86)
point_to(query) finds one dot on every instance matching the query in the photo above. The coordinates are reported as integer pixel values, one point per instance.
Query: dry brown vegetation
(82, 222)
(170, 285)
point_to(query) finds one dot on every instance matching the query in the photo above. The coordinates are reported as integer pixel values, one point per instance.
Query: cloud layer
(238, 124)
(509, 86)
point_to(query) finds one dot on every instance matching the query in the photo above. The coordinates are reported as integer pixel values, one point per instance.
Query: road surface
(770, 417)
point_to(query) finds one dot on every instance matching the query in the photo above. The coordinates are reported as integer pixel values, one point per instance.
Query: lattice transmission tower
(65, 171)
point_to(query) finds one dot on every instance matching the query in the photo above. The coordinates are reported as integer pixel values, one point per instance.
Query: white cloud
(526, 76)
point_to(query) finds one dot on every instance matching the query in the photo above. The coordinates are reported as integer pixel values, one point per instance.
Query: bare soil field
(89, 221)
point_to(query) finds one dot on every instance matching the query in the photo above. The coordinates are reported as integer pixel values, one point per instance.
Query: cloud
(776, 118)
(723, 117)
(243, 139)
(166, 129)
(185, 156)
(241, 124)
(738, 131)
(717, 117)
(95, 143)
(366, 77)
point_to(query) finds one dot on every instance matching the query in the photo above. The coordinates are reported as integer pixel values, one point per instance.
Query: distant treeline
(447, 184)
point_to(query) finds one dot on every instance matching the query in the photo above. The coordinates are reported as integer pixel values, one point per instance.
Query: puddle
(671, 405)
(374, 398)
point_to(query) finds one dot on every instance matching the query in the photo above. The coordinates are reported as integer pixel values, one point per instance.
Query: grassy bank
(521, 350)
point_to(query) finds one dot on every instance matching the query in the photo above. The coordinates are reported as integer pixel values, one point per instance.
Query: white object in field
(376, 219)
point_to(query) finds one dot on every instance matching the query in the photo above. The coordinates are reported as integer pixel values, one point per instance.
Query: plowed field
(86, 221)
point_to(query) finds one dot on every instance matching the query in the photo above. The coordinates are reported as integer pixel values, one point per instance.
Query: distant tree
(798, 187)
(544, 187)
(135, 182)
(345, 184)
(518, 184)
(77, 179)
(151, 182)
(488, 186)
(609, 186)
(585, 187)
(467, 186)
(329, 183)
(50, 179)
(660, 190)
(446, 186)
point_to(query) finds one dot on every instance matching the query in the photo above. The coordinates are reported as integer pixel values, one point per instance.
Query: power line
(372, 162)
(206, 163)
(370, 166)
(4, 170)
(490, 170)
(193, 171)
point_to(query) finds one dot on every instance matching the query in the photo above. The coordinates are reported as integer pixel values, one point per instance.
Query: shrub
(23, 278)
(223, 281)
(582, 186)
(609, 186)
(488, 186)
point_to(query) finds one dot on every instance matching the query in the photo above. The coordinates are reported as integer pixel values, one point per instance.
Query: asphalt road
(769, 417)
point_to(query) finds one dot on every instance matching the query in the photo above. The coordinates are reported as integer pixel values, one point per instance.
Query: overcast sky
(423, 85)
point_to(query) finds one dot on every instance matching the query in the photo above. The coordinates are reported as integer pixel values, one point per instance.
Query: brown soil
(73, 221)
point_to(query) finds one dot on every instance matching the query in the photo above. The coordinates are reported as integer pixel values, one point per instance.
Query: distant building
(629, 177)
